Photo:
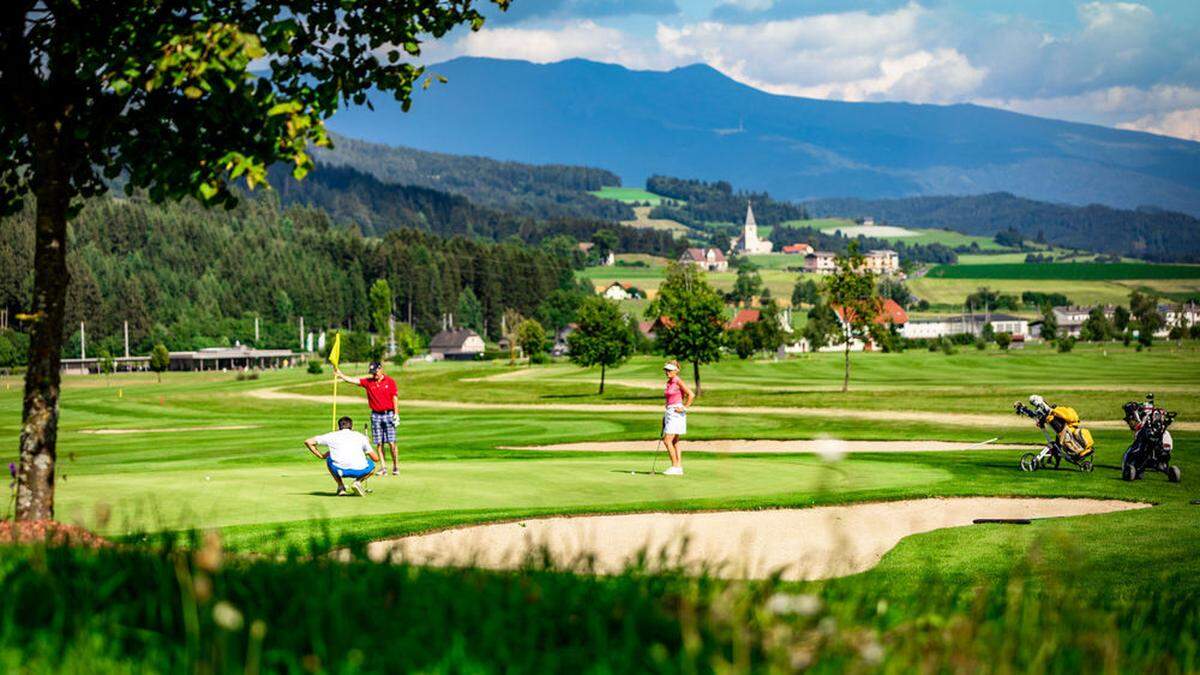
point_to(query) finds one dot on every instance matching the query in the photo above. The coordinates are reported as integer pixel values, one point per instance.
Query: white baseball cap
(670, 366)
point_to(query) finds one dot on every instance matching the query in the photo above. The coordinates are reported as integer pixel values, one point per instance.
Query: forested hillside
(539, 191)
(191, 277)
(705, 202)
(378, 207)
(1152, 234)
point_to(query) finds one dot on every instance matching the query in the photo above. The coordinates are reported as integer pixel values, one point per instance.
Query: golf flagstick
(335, 355)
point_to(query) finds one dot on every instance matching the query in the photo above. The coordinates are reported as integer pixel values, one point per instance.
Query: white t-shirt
(347, 448)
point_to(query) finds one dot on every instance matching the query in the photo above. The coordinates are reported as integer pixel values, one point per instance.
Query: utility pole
(82, 342)
(256, 331)
(301, 333)
(126, 339)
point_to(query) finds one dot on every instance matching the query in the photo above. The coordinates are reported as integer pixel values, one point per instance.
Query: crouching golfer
(350, 456)
(679, 398)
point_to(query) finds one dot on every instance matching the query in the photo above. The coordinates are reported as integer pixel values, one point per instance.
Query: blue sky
(1124, 64)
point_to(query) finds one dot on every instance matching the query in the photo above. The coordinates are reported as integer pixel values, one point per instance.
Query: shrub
(539, 358)
(981, 344)
(947, 347)
(1003, 340)
(246, 375)
(1066, 344)
(314, 367)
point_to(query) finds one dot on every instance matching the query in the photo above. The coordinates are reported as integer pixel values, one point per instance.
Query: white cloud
(575, 39)
(849, 55)
(1177, 123)
(1124, 107)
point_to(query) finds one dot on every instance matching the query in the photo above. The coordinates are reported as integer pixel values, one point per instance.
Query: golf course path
(825, 447)
(813, 543)
(923, 416)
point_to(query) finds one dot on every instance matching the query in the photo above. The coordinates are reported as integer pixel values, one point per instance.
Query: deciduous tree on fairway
(603, 337)
(532, 338)
(851, 291)
(160, 360)
(693, 326)
(162, 93)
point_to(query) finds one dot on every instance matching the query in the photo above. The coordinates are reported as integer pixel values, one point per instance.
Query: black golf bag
(1152, 443)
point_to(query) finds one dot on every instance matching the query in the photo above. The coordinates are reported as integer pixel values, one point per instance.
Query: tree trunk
(696, 375)
(39, 428)
(601, 378)
(846, 376)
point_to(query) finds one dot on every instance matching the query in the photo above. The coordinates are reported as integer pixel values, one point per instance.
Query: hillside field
(628, 195)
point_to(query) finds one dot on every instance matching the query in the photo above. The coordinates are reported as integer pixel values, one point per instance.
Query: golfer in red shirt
(384, 401)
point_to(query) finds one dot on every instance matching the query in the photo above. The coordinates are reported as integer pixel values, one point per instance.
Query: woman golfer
(679, 398)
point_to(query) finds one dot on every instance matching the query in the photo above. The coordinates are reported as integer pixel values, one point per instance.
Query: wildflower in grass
(804, 604)
(227, 616)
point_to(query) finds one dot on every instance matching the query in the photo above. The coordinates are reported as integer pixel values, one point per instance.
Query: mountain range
(694, 122)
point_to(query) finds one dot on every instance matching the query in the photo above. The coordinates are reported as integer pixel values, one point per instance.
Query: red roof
(742, 318)
(797, 248)
(889, 312)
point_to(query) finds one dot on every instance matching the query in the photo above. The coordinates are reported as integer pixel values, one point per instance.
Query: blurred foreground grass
(196, 609)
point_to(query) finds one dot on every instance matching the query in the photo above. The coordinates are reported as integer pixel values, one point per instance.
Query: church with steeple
(749, 242)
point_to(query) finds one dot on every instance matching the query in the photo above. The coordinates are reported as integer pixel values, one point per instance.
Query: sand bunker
(819, 447)
(168, 430)
(813, 543)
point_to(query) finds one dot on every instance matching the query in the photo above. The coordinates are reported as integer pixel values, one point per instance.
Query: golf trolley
(1056, 450)
(1152, 443)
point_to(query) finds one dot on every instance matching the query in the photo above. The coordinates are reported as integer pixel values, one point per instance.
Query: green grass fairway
(1067, 271)
(206, 451)
(627, 195)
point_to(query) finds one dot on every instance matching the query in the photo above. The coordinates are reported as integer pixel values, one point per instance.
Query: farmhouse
(819, 262)
(709, 259)
(797, 249)
(748, 242)
(890, 313)
(621, 291)
(456, 344)
(1184, 315)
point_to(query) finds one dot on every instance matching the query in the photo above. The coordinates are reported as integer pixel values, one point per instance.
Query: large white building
(882, 261)
(967, 323)
(749, 242)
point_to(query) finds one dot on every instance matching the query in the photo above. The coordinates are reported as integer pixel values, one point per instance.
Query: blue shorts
(383, 427)
(350, 473)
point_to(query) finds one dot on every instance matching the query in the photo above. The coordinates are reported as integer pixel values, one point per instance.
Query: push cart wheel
(1086, 466)
(1128, 472)
(1174, 474)
(1029, 462)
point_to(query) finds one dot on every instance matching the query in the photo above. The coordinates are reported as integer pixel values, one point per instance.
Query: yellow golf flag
(335, 354)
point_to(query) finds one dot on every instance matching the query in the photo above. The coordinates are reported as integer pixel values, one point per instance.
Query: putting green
(228, 494)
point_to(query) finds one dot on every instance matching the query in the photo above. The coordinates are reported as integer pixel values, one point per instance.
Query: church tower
(750, 231)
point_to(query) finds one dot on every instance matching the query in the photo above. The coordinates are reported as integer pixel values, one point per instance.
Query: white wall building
(932, 329)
